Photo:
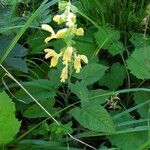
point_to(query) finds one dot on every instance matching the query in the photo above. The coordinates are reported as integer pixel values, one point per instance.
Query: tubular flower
(54, 55)
(61, 33)
(79, 32)
(67, 55)
(77, 62)
(71, 19)
(59, 18)
(48, 28)
(64, 74)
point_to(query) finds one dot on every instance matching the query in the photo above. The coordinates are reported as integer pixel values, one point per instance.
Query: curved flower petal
(77, 64)
(64, 74)
(61, 33)
(71, 19)
(59, 18)
(54, 61)
(84, 58)
(46, 50)
(50, 38)
(67, 55)
(50, 53)
(79, 32)
(48, 28)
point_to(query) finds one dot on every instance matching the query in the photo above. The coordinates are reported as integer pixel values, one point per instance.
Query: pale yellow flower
(54, 56)
(61, 33)
(48, 28)
(79, 32)
(64, 74)
(77, 62)
(59, 18)
(71, 19)
(67, 55)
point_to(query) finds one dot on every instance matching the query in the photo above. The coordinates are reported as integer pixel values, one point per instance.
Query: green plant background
(77, 114)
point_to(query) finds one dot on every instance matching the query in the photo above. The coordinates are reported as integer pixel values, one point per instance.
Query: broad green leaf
(9, 125)
(11, 2)
(41, 145)
(139, 63)
(36, 41)
(80, 90)
(91, 73)
(34, 111)
(37, 93)
(94, 96)
(138, 40)
(39, 89)
(108, 38)
(106, 148)
(139, 98)
(54, 77)
(129, 141)
(41, 83)
(111, 78)
(38, 70)
(8, 21)
(93, 117)
(15, 57)
(86, 45)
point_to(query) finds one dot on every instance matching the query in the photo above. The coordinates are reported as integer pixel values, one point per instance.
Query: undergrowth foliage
(74, 74)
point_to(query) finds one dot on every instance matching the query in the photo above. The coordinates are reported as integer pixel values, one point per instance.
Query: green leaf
(139, 63)
(111, 78)
(86, 45)
(34, 111)
(93, 117)
(63, 129)
(139, 98)
(36, 41)
(107, 38)
(15, 57)
(129, 141)
(80, 90)
(91, 73)
(94, 96)
(41, 145)
(138, 40)
(8, 21)
(9, 125)
(39, 89)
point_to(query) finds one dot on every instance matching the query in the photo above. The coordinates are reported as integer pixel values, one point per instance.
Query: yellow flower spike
(64, 74)
(61, 33)
(67, 55)
(59, 18)
(79, 32)
(77, 62)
